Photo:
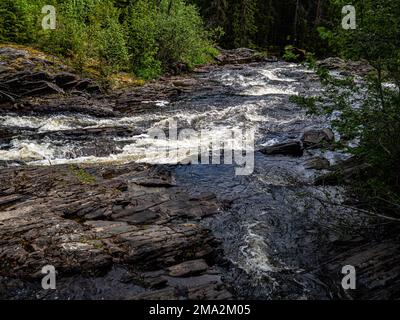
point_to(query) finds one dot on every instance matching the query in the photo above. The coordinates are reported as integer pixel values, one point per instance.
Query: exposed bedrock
(86, 221)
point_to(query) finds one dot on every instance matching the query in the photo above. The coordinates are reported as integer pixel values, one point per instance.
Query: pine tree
(244, 27)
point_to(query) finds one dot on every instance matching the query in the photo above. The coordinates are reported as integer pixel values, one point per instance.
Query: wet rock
(43, 88)
(316, 138)
(318, 163)
(19, 76)
(188, 268)
(65, 79)
(163, 294)
(198, 288)
(4, 69)
(184, 83)
(376, 264)
(345, 172)
(213, 291)
(61, 104)
(83, 84)
(347, 68)
(11, 163)
(13, 53)
(332, 63)
(6, 133)
(153, 279)
(87, 220)
(136, 218)
(238, 56)
(291, 148)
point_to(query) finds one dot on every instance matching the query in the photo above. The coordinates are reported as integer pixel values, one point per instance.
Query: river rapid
(282, 236)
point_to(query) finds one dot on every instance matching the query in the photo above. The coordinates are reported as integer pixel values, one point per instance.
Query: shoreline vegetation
(139, 40)
(128, 42)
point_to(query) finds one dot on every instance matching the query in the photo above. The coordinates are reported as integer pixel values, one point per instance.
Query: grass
(82, 175)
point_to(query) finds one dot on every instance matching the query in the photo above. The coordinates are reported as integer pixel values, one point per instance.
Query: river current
(278, 232)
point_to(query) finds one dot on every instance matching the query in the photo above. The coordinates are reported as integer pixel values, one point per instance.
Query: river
(282, 236)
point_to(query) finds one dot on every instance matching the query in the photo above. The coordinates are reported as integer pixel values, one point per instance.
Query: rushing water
(278, 228)
(251, 97)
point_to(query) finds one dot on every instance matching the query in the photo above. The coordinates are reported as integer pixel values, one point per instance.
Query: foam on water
(254, 253)
(28, 151)
(50, 123)
(261, 90)
(271, 75)
(273, 81)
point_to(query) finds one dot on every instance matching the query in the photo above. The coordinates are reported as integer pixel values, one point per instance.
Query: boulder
(188, 268)
(317, 163)
(332, 63)
(291, 148)
(345, 172)
(315, 138)
(64, 78)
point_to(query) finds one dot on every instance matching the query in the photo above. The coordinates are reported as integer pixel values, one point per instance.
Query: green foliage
(244, 27)
(164, 35)
(268, 23)
(290, 55)
(181, 35)
(141, 26)
(19, 20)
(368, 111)
(145, 36)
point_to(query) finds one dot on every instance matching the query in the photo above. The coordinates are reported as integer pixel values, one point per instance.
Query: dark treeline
(268, 23)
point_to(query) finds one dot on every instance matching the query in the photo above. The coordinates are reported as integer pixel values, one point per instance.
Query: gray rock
(332, 63)
(316, 138)
(188, 268)
(291, 148)
(317, 163)
(88, 220)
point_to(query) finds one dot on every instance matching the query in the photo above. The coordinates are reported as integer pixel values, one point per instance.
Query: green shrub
(181, 35)
(289, 54)
(20, 20)
(141, 26)
(144, 36)
(164, 35)
(369, 111)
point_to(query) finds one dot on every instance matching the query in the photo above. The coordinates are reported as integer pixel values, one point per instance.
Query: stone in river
(291, 148)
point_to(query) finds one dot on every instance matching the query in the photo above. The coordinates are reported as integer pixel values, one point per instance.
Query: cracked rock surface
(87, 222)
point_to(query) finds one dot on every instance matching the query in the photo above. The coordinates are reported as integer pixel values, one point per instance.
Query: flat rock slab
(188, 268)
(85, 221)
(291, 148)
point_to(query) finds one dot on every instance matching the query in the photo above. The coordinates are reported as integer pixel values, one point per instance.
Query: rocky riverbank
(88, 221)
(77, 194)
(128, 225)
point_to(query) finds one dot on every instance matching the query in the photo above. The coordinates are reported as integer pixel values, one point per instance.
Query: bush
(161, 36)
(145, 37)
(181, 35)
(369, 111)
(19, 20)
(141, 26)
